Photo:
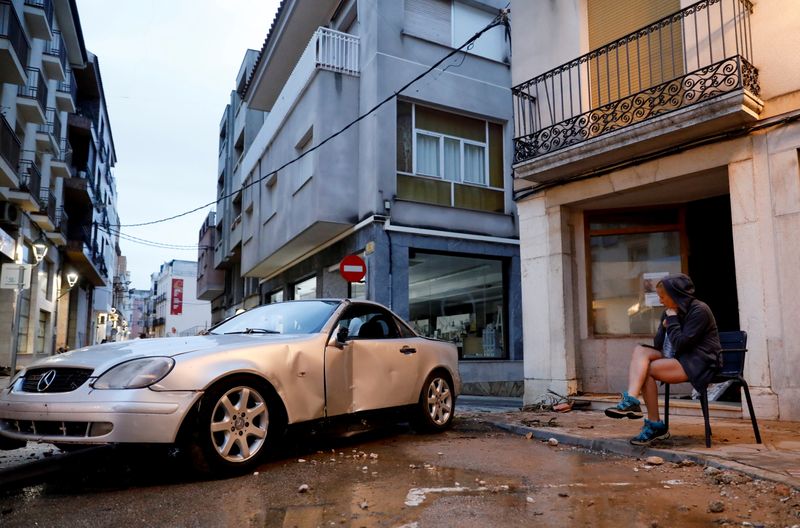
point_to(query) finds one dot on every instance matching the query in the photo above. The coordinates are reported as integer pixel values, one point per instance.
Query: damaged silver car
(231, 393)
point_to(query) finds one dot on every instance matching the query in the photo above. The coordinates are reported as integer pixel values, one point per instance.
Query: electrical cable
(500, 19)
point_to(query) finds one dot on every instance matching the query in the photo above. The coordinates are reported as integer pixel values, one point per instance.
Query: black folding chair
(734, 346)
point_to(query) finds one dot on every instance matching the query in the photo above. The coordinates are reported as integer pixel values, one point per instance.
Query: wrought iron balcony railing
(696, 54)
(62, 221)
(36, 88)
(65, 151)
(30, 179)
(52, 124)
(9, 143)
(57, 48)
(47, 200)
(11, 29)
(68, 85)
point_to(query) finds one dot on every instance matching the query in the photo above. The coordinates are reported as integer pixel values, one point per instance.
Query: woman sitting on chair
(686, 348)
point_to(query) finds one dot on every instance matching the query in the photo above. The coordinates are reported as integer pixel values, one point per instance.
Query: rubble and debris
(303, 488)
(654, 460)
(552, 442)
(716, 507)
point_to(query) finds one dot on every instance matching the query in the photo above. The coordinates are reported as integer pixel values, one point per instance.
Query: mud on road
(471, 476)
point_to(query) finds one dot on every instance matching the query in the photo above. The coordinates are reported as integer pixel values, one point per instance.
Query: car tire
(238, 421)
(436, 406)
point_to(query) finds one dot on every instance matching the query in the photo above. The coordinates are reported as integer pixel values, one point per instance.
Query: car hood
(101, 357)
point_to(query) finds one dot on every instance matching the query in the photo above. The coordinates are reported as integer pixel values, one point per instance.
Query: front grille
(56, 428)
(65, 379)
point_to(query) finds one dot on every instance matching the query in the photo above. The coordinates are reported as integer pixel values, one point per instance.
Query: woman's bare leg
(639, 368)
(650, 393)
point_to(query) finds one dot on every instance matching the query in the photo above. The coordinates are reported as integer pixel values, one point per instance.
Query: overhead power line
(501, 19)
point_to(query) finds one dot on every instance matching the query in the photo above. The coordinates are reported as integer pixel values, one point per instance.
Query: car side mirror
(341, 336)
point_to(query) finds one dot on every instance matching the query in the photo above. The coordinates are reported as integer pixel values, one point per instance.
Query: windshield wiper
(254, 331)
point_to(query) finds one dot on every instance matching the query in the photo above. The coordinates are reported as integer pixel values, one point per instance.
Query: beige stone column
(756, 282)
(548, 314)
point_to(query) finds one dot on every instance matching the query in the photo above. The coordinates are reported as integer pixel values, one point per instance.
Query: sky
(168, 68)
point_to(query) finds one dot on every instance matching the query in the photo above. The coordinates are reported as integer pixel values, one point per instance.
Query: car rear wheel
(237, 422)
(436, 406)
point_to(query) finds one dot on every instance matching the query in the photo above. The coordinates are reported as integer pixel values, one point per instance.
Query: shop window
(357, 290)
(458, 299)
(275, 297)
(449, 159)
(306, 289)
(629, 251)
(41, 331)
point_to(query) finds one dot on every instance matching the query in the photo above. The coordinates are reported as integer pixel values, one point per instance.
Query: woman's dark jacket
(693, 332)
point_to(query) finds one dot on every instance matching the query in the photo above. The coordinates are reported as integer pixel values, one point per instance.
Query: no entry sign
(352, 268)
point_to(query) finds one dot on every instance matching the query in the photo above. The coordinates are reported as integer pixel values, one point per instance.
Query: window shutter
(624, 71)
(429, 19)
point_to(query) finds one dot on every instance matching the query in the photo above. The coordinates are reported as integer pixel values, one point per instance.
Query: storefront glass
(625, 267)
(459, 299)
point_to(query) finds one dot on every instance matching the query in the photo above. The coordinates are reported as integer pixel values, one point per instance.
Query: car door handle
(408, 350)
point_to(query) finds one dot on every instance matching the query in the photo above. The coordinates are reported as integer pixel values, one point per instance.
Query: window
(305, 165)
(41, 331)
(451, 23)
(458, 299)
(368, 322)
(275, 297)
(306, 289)
(629, 251)
(357, 290)
(449, 159)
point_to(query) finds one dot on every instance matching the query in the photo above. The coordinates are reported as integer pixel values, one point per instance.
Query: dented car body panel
(293, 347)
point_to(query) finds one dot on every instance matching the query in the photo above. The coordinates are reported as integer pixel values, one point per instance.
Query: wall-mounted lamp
(39, 249)
(72, 278)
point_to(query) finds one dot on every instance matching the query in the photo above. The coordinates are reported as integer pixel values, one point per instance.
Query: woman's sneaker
(628, 407)
(651, 432)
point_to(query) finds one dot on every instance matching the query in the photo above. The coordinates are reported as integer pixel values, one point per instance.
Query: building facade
(175, 308)
(653, 137)
(421, 189)
(46, 200)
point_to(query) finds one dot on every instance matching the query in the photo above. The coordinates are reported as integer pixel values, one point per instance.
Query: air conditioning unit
(9, 213)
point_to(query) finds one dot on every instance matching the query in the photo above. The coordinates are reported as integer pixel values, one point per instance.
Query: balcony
(80, 189)
(14, 46)
(26, 195)
(83, 254)
(39, 18)
(684, 77)
(9, 154)
(67, 93)
(32, 98)
(61, 163)
(48, 134)
(45, 217)
(54, 59)
(329, 66)
(58, 236)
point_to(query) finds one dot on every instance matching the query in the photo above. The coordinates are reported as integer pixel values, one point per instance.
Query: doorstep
(677, 406)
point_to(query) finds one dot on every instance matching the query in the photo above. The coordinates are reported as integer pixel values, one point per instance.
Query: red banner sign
(176, 308)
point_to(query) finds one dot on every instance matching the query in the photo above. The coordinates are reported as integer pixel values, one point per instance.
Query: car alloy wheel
(439, 401)
(239, 424)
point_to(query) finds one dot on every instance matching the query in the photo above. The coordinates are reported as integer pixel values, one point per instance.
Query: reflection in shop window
(458, 299)
(306, 289)
(625, 267)
(358, 290)
(276, 297)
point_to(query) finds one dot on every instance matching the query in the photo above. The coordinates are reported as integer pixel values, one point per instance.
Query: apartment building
(45, 201)
(421, 189)
(173, 303)
(656, 136)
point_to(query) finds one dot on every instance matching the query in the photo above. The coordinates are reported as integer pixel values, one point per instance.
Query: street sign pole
(14, 330)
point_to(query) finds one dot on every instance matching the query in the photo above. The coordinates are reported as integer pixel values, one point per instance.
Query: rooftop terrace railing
(693, 55)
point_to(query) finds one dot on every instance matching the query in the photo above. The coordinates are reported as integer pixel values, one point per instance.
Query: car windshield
(293, 317)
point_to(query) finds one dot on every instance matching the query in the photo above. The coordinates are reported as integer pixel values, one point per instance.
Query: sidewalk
(732, 443)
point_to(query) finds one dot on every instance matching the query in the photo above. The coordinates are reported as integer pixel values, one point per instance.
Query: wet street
(471, 476)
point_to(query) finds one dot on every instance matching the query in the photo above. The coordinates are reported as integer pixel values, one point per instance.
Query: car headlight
(135, 374)
(15, 379)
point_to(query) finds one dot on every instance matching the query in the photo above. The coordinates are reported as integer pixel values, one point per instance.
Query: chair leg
(704, 407)
(750, 409)
(666, 405)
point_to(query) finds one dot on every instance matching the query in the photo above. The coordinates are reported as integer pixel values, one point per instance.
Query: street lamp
(72, 278)
(39, 249)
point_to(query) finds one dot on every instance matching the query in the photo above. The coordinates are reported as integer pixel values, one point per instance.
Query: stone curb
(622, 447)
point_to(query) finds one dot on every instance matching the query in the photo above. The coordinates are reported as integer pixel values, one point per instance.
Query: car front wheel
(436, 405)
(238, 419)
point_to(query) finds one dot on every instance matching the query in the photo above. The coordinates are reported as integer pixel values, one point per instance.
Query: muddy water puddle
(470, 476)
